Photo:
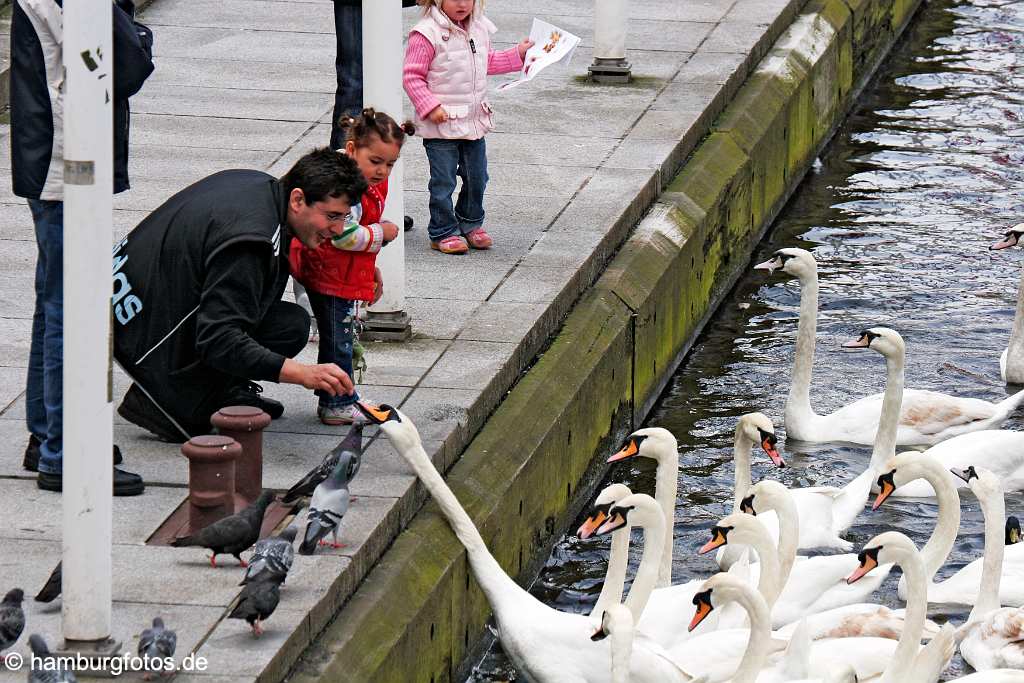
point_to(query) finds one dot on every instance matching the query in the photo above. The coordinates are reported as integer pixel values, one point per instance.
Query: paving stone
(230, 73)
(498, 321)
(471, 365)
(219, 132)
(189, 100)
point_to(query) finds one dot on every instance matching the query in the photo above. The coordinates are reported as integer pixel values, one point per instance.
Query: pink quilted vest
(458, 75)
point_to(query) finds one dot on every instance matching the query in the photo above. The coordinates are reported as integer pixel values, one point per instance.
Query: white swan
(1011, 362)
(926, 418)
(543, 643)
(962, 587)
(991, 637)
(617, 622)
(994, 676)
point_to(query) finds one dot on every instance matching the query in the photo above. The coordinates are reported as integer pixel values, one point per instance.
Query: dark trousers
(451, 159)
(348, 62)
(334, 322)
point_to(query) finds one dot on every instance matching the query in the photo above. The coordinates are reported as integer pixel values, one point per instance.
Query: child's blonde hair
(478, 5)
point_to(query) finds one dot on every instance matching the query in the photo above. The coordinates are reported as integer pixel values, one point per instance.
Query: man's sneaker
(125, 483)
(248, 394)
(139, 410)
(335, 417)
(31, 460)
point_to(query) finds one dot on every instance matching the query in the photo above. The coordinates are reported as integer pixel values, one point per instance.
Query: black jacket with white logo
(194, 279)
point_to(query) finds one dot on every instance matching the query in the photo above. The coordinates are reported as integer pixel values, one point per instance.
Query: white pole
(382, 90)
(610, 23)
(88, 235)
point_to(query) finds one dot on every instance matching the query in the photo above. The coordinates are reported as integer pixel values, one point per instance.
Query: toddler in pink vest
(446, 66)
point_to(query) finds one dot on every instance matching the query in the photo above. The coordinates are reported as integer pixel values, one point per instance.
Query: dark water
(899, 213)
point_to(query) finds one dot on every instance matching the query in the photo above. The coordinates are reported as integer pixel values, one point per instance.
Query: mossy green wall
(419, 613)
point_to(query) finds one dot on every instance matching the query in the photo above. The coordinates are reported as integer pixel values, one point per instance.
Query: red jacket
(336, 272)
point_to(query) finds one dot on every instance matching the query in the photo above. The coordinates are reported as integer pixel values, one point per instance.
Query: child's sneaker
(479, 239)
(342, 415)
(453, 244)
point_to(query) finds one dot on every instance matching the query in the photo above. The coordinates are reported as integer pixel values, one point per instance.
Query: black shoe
(125, 483)
(31, 460)
(248, 394)
(408, 223)
(139, 410)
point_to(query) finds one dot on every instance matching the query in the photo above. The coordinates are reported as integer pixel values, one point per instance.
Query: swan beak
(628, 451)
(773, 453)
(703, 610)
(770, 265)
(616, 521)
(1010, 240)
(377, 415)
(592, 524)
(1013, 537)
(960, 473)
(861, 342)
(868, 564)
(717, 540)
(599, 634)
(886, 489)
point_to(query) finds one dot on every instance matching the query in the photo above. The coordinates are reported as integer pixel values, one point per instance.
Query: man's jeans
(44, 401)
(334, 321)
(466, 159)
(348, 61)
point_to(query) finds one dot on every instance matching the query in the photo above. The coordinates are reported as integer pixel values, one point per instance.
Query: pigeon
(353, 443)
(158, 643)
(327, 507)
(233, 534)
(272, 557)
(46, 673)
(12, 618)
(257, 601)
(52, 588)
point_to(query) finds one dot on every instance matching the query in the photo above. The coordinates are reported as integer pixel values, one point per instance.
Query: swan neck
(647, 574)
(889, 420)
(789, 538)
(756, 655)
(667, 477)
(741, 459)
(1015, 349)
(901, 665)
(993, 507)
(615, 576)
(622, 652)
(947, 524)
(768, 571)
(799, 399)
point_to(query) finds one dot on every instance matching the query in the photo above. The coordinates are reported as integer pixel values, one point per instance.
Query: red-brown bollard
(211, 479)
(245, 424)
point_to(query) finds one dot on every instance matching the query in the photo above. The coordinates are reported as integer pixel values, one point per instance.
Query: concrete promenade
(249, 83)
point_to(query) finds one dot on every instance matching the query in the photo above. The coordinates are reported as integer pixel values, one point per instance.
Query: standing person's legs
(44, 394)
(348, 29)
(470, 207)
(336, 322)
(443, 157)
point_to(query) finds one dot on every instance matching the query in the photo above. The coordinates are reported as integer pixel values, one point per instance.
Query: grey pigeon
(234, 534)
(12, 618)
(46, 673)
(353, 443)
(327, 507)
(52, 588)
(158, 642)
(257, 602)
(272, 557)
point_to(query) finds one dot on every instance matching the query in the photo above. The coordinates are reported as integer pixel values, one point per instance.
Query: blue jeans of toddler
(335, 322)
(451, 159)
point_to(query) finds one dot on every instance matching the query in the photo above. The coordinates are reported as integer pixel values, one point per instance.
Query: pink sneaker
(479, 239)
(453, 244)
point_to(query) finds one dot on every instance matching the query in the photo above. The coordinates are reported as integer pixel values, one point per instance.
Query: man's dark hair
(325, 173)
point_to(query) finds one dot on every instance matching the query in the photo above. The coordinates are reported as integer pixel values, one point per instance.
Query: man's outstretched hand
(324, 376)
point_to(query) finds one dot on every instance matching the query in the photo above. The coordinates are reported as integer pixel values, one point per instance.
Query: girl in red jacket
(342, 271)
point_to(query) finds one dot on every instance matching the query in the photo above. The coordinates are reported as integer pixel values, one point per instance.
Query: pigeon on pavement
(12, 618)
(158, 642)
(46, 673)
(50, 591)
(256, 603)
(327, 507)
(353, 443)
(234, 534)
(272, 557)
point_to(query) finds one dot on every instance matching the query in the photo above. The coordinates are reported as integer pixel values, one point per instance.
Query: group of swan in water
(771, 614)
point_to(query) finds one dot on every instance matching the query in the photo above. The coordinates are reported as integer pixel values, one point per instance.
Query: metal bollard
(211, 479)
(610, 22)
(244, 424)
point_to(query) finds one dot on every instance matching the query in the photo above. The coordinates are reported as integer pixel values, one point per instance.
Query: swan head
(890, 547)
(598, 514)
(1011, 238)
(637, 509)
(1013, 534)
(797, 262)
(759, 428)
(980, 480)
(884, 340)
(717, 592)
(736, 528)
(649, 442)
(616, 621)
(399, 428)
(905, 468)
(767, 495)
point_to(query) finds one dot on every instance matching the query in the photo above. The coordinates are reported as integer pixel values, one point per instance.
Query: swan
(617, 622)
(543, 643)
(817, 592)
(1011, 365)
(991, 637)
(962, 587)
(926, 418)
(994, 676)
